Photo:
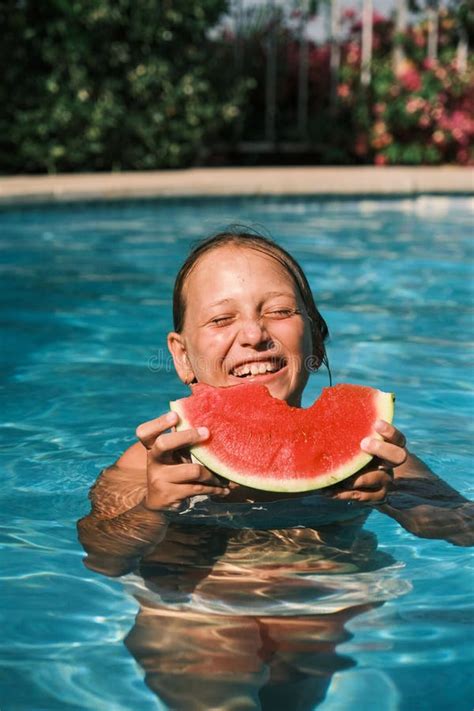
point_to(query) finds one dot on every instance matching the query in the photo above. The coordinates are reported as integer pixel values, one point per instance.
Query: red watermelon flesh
(264, 443)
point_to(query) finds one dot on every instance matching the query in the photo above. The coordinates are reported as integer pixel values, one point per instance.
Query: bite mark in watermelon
(261, 442)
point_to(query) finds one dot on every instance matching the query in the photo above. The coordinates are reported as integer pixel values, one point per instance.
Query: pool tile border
(232, 182)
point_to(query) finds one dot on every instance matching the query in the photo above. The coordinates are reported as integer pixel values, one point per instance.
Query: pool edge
(324, 182)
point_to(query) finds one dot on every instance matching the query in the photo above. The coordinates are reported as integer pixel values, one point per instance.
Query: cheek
(207, 351)
(296, 339)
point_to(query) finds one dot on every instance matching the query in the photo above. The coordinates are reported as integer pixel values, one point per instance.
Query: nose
(254, 333)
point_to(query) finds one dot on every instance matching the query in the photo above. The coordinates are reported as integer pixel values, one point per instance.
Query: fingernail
(171, 417)
(380, 425)
(366, 442)
(203, 432)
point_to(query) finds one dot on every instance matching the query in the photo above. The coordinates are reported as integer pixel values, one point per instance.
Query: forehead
(233, 268)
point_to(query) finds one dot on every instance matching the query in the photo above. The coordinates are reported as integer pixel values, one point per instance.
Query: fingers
(160, 443)
(167, 443)
(391, 454)
(367, 486)
(367, 497)
(374, 480)
(390, 433)
(147, 432)
(180, 482)
(171, 496)
(189, 473)
(391, 449)
(170, 483)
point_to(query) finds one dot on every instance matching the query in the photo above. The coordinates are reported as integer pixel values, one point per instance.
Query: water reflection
(251, 619)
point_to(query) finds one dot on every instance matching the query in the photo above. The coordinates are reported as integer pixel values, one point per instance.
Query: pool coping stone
(237, 182)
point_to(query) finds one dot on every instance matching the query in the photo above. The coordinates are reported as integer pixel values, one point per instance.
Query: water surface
(85, 308)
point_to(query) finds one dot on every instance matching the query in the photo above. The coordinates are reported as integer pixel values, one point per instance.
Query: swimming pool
(86, 305)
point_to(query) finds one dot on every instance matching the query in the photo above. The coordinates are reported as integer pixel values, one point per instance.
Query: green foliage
(145, 84)
(111, 84)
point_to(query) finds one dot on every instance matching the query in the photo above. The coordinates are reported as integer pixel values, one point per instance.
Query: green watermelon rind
(286, 483)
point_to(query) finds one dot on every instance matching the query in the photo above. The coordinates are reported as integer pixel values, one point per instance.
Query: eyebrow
(267, 295)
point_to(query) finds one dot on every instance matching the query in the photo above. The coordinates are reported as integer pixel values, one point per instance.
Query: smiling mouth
(251, 369)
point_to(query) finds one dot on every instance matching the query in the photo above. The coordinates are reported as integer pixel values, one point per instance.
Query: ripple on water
(84, 362)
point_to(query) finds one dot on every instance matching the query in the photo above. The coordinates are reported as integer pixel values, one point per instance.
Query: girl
(243, 310)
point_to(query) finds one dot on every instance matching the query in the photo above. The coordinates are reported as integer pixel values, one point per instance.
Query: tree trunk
(335, 60)
(462, 51)
(271, 81)
(401, 21)
(303, 71)
(366, 50)
(432, 15)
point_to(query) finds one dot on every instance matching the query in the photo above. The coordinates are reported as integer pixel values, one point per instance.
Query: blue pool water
(85, 309)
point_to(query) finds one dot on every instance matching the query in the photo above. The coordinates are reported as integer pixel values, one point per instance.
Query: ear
(181, 362)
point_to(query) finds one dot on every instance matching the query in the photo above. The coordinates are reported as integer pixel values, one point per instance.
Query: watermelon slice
(264, 443)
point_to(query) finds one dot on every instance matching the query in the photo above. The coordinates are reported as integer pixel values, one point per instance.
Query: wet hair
(236, 236)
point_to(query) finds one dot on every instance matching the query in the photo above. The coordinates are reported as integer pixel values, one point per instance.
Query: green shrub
(111, 84)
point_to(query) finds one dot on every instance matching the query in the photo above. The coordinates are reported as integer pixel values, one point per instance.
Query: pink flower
(349, 14)
(439, 137)
(424, 121)
(380, 159)
(343, 90)
(378, 19)
(353, 53)
(429, 64)
(419, 38)
(410, 80)
(462, 157)
(414, 104)
(460, 125)
(379, 128)
(379, 108)
(361, 145)
(381, 136)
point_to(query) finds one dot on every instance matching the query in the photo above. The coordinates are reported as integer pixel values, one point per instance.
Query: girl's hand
(372, 483)
(171, 476)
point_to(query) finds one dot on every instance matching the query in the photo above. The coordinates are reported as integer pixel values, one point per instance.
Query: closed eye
(221, 320)
(281, 313)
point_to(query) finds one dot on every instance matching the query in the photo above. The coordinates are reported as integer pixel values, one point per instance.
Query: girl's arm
(427, 506)
(119, 530)
(419, 500)
(130, 499)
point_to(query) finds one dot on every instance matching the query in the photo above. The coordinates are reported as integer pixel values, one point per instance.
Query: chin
(284, 392)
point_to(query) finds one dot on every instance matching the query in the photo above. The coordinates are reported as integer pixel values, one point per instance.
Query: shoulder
(121, 486)
(133, 458)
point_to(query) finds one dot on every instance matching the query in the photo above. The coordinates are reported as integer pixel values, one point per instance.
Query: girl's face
(244, 322)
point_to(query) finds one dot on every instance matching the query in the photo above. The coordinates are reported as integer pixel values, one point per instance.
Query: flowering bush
(421, 114)
(100, 86)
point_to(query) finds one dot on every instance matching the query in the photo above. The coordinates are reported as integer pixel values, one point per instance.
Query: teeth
(256, 369)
